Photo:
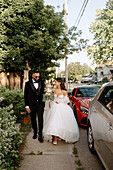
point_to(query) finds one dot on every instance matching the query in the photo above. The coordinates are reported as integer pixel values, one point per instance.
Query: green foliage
(75, 151)
(49, 96)
(50, 73)
(35, 33)
(79, 168)
(105, 80)
(76, 71)
(78, 162)
(39, 153)
(14, 97)
(25, 129)
(10, 138)
(102, 49)
(31, 153)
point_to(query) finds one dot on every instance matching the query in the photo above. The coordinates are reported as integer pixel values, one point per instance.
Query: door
(104, 128)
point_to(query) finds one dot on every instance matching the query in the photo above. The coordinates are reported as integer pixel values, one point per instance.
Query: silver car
(100, 125)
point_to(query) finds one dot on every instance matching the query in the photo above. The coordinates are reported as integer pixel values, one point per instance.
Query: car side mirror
(69, 94)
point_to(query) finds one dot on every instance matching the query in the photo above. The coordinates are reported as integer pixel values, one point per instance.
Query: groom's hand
(28, 110)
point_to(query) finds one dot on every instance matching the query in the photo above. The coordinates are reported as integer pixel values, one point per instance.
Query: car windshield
(87, 92)
(84, 76)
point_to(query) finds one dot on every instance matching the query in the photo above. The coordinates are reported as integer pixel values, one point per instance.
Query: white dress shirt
(35, 84)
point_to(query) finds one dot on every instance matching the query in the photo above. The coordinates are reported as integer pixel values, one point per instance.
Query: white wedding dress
(60, 121)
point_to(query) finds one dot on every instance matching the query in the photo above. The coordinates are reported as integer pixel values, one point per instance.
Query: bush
(14, 97)
(10, 138)
(105, 80)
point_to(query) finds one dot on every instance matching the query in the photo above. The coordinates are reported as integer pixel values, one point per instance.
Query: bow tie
(35, 82)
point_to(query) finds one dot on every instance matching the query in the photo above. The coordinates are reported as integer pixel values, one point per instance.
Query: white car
(100, 125)
(87, 78)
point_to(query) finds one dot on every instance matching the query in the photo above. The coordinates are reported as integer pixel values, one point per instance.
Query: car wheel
(90, 140)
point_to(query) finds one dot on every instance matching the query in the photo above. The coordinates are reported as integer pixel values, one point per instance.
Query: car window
(106, 98)
(79, 93)
(87, 92)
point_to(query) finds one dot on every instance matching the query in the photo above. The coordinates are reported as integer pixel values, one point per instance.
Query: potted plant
(26, 117)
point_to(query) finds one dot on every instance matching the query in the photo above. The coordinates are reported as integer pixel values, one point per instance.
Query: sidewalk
(46, 156)
(54, 157)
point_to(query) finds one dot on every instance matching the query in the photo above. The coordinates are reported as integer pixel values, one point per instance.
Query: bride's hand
(56, 102)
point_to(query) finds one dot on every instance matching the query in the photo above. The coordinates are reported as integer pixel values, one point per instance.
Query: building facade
(104, 71)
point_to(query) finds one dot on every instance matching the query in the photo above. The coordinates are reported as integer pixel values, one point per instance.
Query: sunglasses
(37, 76)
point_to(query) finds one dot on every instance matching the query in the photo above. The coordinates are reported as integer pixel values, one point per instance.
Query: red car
(80, 100)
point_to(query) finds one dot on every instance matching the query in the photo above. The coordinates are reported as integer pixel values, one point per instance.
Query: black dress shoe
(34, 136)
(40, 139)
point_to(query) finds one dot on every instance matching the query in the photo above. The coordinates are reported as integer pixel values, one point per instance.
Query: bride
(59, 120)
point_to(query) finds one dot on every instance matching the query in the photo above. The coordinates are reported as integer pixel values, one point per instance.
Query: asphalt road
(88, 160)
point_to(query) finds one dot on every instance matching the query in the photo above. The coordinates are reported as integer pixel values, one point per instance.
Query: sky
(88, 17)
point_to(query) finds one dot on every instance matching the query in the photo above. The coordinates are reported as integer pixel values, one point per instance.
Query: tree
(76, 70)
(102, 49)
(86, 69)
(35, 33)
(72, 71)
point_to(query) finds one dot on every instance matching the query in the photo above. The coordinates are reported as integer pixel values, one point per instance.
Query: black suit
(34, 99)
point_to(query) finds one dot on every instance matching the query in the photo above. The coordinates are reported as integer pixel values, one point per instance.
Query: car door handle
(110, 126)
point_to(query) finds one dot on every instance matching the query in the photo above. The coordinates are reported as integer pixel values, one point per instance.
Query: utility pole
(65, 20)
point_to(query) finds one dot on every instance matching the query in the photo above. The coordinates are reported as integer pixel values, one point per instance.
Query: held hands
(28, 110)
(56, 102)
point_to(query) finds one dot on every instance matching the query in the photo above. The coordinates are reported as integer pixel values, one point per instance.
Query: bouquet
(48, 96)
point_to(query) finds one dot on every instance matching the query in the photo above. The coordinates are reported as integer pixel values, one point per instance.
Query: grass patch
(31, 153)
(76, 156)
(79, 168)
(78, 162)
(75, 151)
(39, 153)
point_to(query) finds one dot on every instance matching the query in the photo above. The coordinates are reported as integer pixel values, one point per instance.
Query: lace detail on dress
(61, 99)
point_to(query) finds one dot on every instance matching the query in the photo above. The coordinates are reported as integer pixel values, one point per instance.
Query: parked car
(100, 125)
(80, 100)
(88, 78)
(98, 81)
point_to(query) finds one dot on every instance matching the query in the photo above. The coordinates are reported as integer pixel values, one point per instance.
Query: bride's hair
(62, 85)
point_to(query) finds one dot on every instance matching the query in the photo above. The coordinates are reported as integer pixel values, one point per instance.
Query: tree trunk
(25, 78)
(17, 81)
(11, 81)
(3, 79)
(26, 75)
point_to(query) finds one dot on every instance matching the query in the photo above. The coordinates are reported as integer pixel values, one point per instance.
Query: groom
(33, 95)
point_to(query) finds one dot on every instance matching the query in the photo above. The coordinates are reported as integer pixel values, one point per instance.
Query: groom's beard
(37, 81)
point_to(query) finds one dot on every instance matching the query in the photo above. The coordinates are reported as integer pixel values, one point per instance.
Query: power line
(81, 12)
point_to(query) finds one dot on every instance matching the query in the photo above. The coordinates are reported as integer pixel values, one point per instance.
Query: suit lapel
(32, 86)
(39, 87)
